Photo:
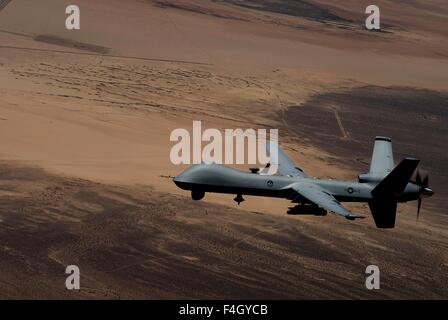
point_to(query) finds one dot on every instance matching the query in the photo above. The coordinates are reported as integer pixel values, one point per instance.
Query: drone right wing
(322, 198)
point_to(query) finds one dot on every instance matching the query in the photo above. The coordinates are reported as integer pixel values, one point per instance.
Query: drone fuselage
(215, 178)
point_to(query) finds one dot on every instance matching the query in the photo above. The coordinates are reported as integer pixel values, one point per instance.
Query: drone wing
(285, 166)
(321, 197)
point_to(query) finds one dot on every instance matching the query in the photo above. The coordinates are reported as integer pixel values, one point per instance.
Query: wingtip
(352, 217)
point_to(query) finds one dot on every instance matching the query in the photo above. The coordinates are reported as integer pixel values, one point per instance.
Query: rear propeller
(422, 180)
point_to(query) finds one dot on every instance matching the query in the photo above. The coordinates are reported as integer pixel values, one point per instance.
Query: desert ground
(85, 120)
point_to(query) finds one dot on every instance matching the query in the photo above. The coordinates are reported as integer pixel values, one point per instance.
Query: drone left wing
(283, 164)
(321, 197)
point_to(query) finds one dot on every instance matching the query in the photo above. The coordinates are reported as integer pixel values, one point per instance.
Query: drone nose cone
(183, 177)
(176, 180)
(187, 177)
(426, 192)
(181, 182)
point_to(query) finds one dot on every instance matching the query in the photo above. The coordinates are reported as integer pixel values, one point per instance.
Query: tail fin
(382, 157)
(383, 204)
(382, 161)
(396, 181)
(384, 212)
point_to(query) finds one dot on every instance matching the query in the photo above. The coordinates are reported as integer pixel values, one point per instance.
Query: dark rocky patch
(296, 8)
(71, 44)
(415, 119)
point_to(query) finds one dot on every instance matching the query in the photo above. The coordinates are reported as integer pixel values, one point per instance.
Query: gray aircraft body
(383, 187)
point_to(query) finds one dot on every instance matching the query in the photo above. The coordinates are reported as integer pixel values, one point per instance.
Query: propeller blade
(418, 178)
(419, 205)
(422, 180)
(425, 181)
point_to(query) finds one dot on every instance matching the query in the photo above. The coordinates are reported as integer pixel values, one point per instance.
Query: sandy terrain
(85, 118)
(135, 242)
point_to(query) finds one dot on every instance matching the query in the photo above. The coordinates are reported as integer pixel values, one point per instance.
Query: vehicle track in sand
(102, 55)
